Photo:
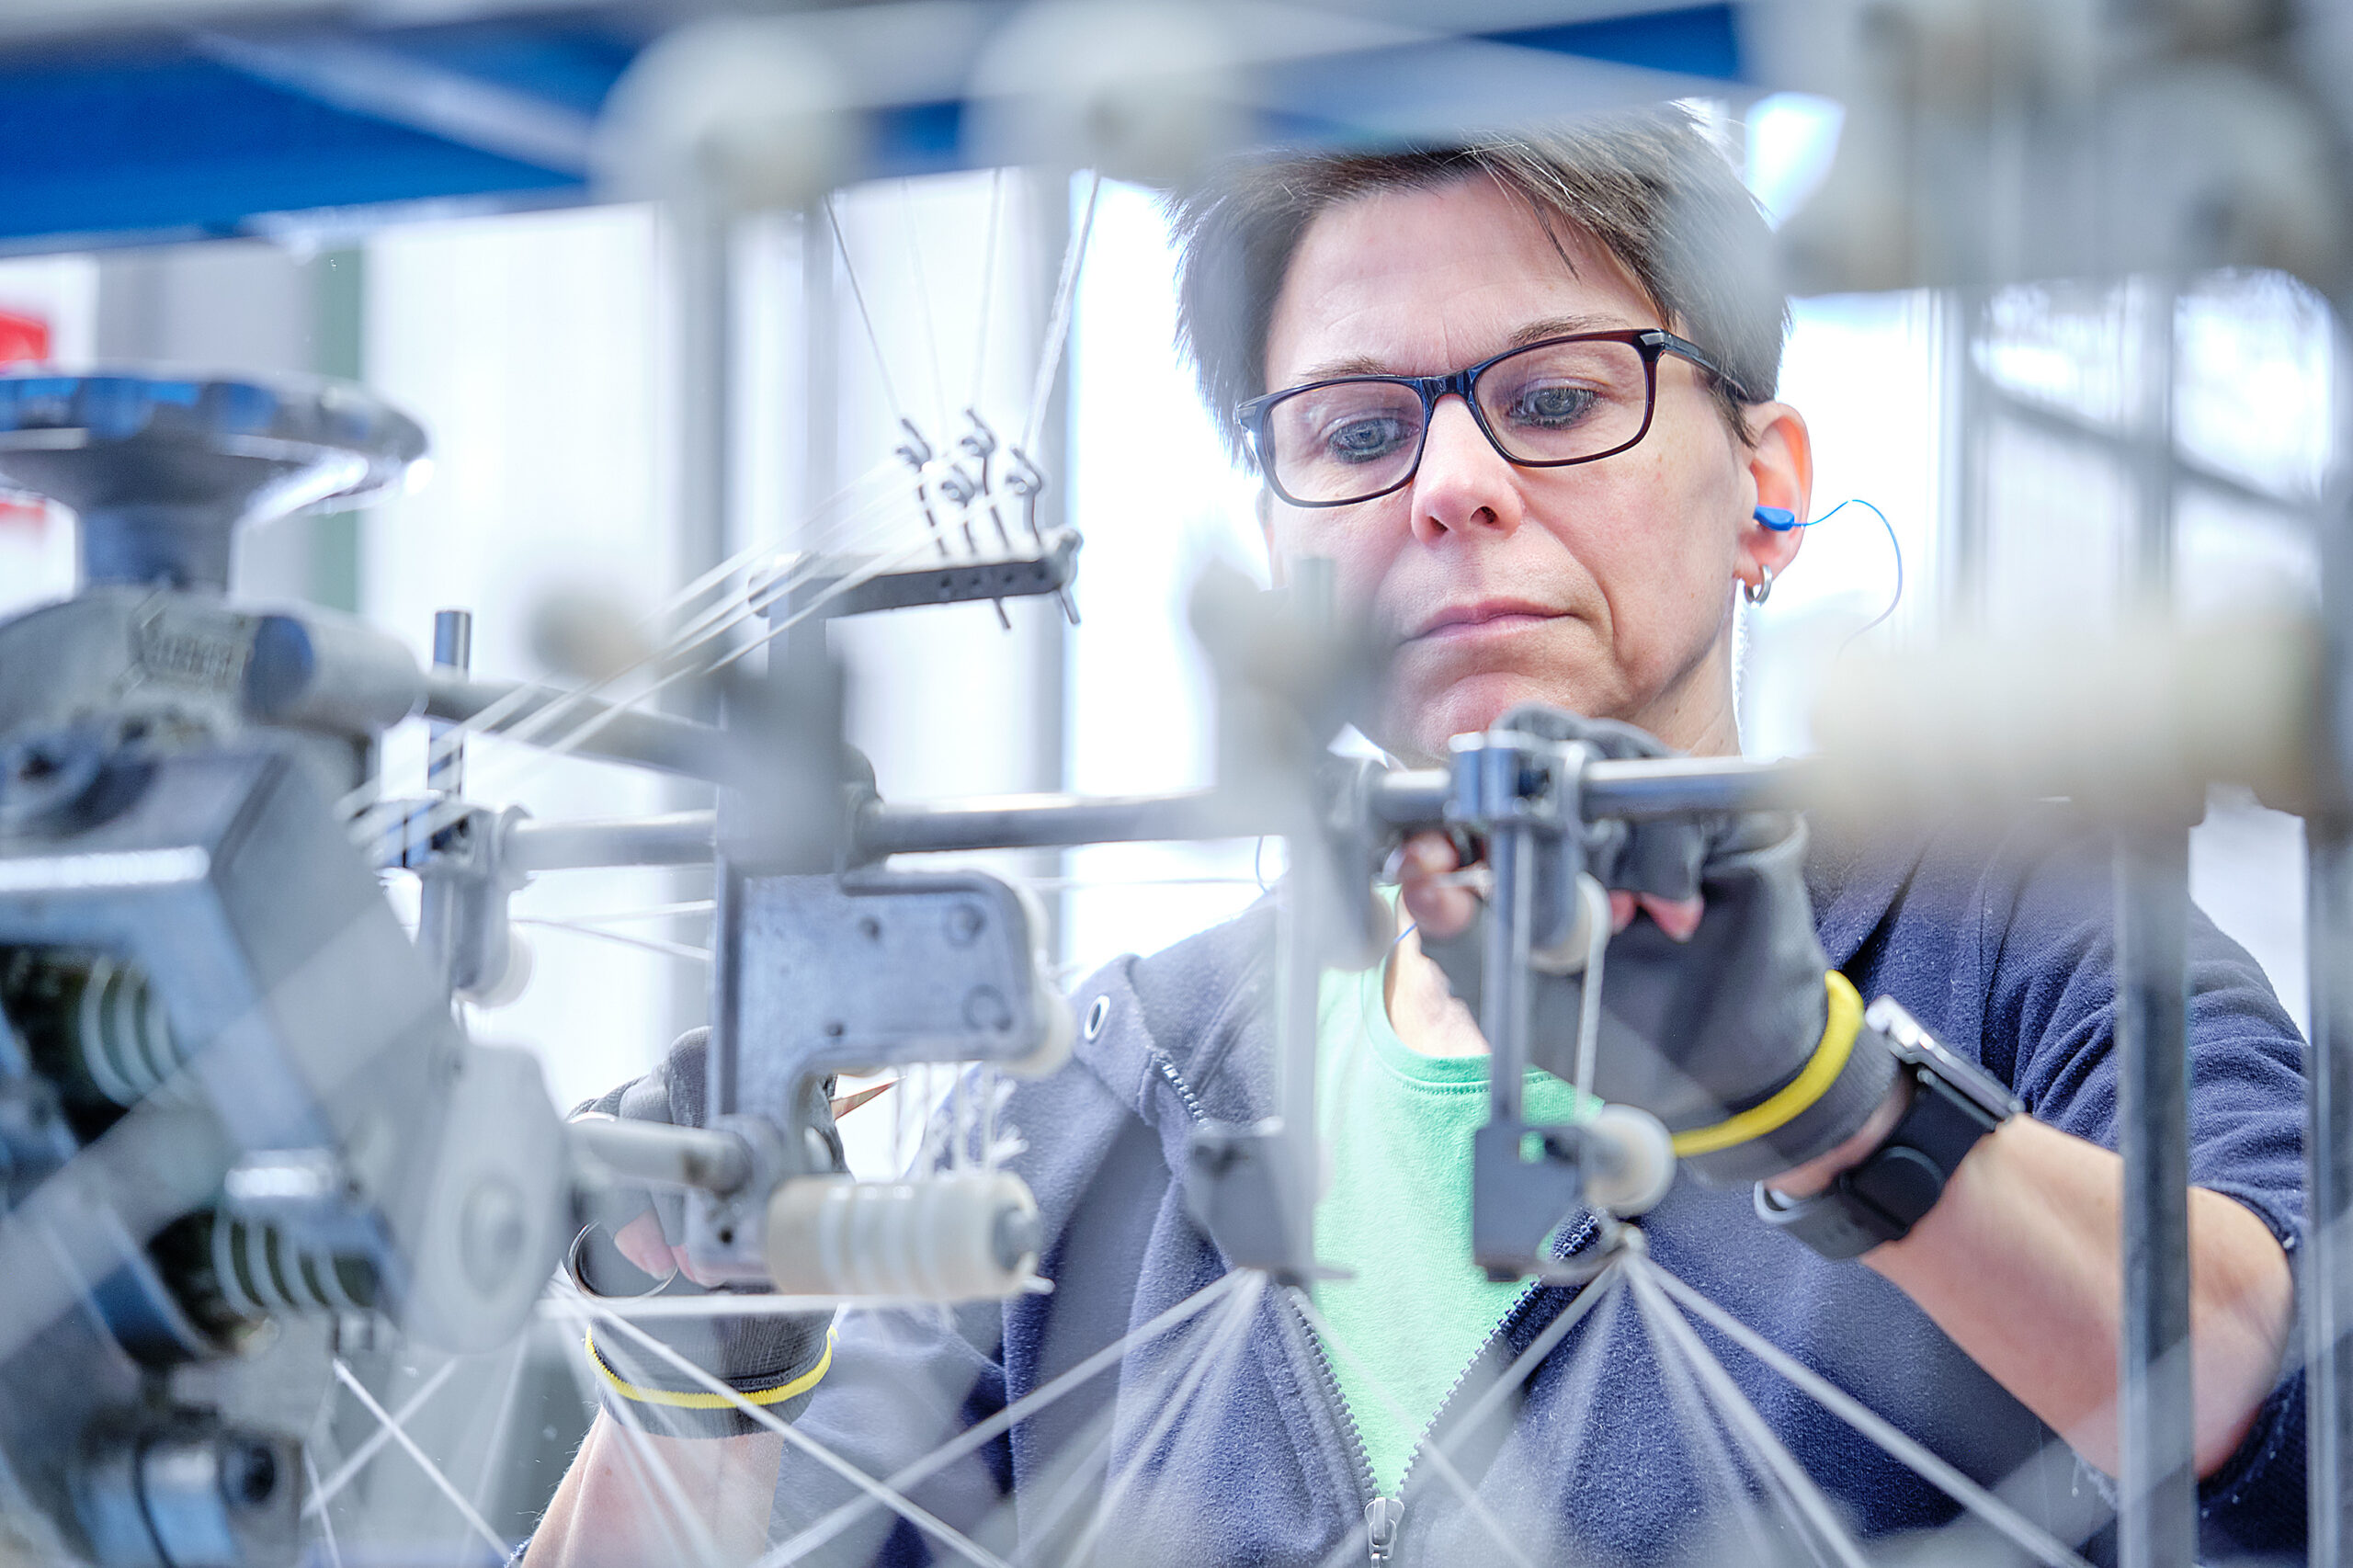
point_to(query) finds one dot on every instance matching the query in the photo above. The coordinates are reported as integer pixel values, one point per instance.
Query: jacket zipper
(1513, 1316)
(1383, 1514)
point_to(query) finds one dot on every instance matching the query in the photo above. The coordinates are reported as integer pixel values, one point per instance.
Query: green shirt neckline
(1396, 1214)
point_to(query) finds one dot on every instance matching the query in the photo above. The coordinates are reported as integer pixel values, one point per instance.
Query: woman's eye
(1552, 406)
(1363, 440)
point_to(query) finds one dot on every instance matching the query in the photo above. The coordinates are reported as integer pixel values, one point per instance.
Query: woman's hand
(1442, 906)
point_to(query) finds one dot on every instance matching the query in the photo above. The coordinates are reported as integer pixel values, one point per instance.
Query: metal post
(1300, 938)
(2158, 1513)
(2326, 1268)
(453, 651)
(1960, 315)
(1299, 989)
(2157, 473)
(1503, 1002)
(444, 776)
(1049, 634)
(702, 232)
(2329, 1153)
(2158, 1524)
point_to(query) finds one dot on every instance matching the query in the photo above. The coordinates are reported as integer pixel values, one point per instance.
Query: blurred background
(535, 348)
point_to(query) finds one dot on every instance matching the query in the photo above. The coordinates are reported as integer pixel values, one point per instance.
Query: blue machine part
(213, 136)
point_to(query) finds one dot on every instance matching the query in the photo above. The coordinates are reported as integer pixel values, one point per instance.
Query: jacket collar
(1853, 879)
(1185, 1035)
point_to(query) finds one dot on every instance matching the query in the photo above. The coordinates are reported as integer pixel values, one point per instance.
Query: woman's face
(1604, 588)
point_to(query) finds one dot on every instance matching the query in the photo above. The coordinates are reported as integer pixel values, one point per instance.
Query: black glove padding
(1695, 1031)
(773, 1358)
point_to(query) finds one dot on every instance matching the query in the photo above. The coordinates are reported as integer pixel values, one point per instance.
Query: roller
(959, 1236)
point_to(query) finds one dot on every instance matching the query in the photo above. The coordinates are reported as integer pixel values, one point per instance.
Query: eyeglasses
(1564, 400)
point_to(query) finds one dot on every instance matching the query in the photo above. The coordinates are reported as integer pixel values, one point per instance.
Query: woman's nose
(1463, 483)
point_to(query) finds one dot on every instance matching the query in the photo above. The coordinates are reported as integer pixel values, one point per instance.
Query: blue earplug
(1780, 519)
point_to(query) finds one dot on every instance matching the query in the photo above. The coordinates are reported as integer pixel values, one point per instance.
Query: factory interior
(620, 617)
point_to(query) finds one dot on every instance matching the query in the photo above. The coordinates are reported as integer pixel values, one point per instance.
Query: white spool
(743, 110)
(952, 1237)
(1139, 89)
(1576, 948)
(1627, 1161)
(514, 977)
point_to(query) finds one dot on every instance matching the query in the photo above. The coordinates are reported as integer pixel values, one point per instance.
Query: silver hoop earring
(1756, 593)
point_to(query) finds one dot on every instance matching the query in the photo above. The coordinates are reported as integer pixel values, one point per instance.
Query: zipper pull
(1381, 1516)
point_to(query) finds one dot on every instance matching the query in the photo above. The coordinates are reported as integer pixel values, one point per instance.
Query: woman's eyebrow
(1564, 326)
(1355, 365)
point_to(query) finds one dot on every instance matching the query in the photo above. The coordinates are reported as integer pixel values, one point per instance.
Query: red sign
(23, 339)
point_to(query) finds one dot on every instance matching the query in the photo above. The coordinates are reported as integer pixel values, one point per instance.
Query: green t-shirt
(1397, 1215)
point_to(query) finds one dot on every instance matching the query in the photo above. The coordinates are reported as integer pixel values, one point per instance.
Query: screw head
(986, 1009)
(491, 1234)
(249, 1472)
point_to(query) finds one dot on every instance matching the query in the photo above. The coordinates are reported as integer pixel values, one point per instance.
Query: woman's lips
(1467, 623)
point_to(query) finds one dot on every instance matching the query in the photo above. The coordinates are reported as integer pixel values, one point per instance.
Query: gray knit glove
(1736, 1019)
(773, 1358)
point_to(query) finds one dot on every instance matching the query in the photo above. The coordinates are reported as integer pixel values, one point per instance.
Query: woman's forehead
(1419, 281)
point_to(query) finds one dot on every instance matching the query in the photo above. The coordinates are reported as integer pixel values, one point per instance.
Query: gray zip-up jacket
(1225, 1440)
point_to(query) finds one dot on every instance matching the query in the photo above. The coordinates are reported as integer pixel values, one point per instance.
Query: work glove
(775, 1359)
(1740, 1038)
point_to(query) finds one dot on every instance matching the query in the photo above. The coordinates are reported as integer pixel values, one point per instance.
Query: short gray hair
(1648, 186)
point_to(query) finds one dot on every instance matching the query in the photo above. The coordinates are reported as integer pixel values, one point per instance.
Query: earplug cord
(1781, 520)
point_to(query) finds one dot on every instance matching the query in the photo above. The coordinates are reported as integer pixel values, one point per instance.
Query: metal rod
(1679, 786)
(1633, 790)
(2326, 1270)
(1630, 792)
(453, 651)
(2329, 1151)
(1032, 822)
(1504, 1011)
(653, 1151)
(438, 915)
(682, 838)
(1299, 970)
(2158, 1503)
(641, 739)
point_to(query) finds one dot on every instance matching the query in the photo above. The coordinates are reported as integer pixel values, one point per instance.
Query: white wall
(531, 349)
(1154, 492)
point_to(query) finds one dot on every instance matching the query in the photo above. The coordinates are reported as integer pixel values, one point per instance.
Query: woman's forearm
(615, 1506)
(2021, 1263)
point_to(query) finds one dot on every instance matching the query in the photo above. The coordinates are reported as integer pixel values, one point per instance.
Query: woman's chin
(1419, 724)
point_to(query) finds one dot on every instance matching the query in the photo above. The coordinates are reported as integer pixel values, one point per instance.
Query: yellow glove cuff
(1790, 1100)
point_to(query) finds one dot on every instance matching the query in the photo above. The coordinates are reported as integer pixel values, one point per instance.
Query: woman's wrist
(1807, 1179)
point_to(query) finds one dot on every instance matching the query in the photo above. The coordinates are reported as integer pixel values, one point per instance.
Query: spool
(953, 1237)
(1626, 1160)
(122, 1035)
(260, 1272)
(94, 1023)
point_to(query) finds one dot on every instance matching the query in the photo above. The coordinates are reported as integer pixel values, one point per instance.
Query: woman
(1520, 395)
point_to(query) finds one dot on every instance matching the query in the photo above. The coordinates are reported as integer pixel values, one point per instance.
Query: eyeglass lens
(1558, 402)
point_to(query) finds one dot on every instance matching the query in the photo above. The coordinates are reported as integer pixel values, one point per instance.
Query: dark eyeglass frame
(1650, 342)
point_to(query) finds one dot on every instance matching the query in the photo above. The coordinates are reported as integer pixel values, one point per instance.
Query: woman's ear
(1780, 473)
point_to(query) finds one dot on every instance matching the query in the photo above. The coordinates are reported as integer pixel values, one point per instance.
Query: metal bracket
(466, 936)
(847, 586)
(1524, 1181)
(1239, 1190)
(877, 968)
